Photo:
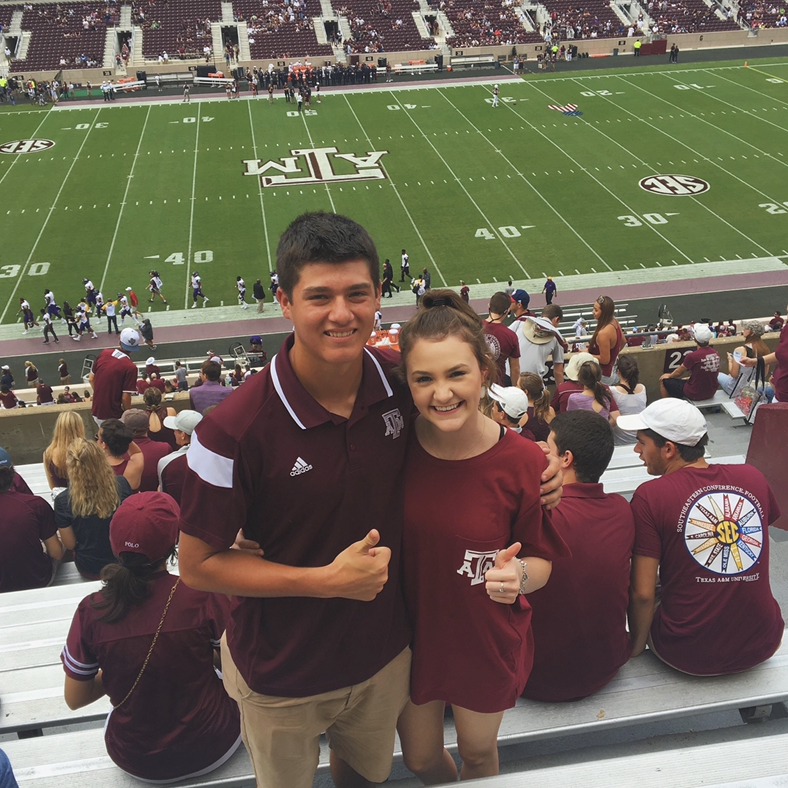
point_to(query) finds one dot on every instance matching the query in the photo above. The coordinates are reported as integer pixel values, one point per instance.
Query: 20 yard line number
(10, 271)
(507, 231)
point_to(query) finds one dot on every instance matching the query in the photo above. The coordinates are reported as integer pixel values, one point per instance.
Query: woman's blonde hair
(68, 427)
(92, 488)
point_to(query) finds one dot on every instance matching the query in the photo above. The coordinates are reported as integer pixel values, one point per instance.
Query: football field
(655, 167)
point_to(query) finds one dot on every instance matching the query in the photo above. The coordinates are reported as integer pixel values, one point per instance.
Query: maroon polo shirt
(173, 476)
(114, 374)
(152, 452)
(305, 484)
(580, 617)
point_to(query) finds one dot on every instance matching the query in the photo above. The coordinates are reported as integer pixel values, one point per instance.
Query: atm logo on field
(26, 146)
(674, 185)
(317, 165)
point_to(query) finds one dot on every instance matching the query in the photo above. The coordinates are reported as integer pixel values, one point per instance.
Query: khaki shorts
(282, 735)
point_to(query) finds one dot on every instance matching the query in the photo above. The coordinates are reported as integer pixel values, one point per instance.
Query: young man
(703, 364)
(501, 340)
(705, 530)
(197, 290)
(580, 616)
(241, 287)
(114, 378)
(319, 640)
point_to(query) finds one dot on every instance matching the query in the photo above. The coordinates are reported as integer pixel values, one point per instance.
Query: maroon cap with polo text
(146, 523)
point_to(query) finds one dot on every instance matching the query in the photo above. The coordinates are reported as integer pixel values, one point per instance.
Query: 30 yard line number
(10, 271)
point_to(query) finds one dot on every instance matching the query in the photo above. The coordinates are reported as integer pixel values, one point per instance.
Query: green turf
(471, 192)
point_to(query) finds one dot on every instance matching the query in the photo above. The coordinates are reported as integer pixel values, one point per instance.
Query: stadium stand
(280, 30)
(181, 28)
(762, 14)
(593, 19)
(381, 26)
(481, 23)
(687, 16)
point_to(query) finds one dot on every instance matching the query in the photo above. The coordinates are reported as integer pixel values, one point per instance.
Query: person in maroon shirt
(152, 451)
(27, 521)
(501, 340)
(703, 364)
(44, 393)
(114, 378)
(172, 468)
(580, 617)
(7, 397)
(704, 529)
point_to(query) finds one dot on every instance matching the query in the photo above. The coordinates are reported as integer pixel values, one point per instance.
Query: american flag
(567, 109)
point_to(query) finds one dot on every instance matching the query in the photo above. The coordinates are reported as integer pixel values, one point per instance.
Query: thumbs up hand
(503, 580)
(361, 570)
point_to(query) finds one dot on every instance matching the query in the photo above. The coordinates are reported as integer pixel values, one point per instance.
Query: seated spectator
(629, 394)
(26, 523)
(171, 717)
(44, 394)
(68, 426)
(180, 381)
(716, 613)
(510, 404)
(776, 323)
(151, 366)
(84, 510)
(123, 455)
(595, 396)
(152, 451)
(156, 382)
(739, 376)
(8, 399)
(570, 384)
(156, 415)
(540, 414)
(580, 617)
(172, 468)
(703, 364)
(211, 392)
(142, 383)
(238, 376)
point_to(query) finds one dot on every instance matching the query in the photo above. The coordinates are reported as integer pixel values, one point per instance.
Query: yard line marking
(460, 183)
(312, 144)
(536, 191)
(402, 202)
(48, 217)
(191, 211)
(260, 190)
(123, 202)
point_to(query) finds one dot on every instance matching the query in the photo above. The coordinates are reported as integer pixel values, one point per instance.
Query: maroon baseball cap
(146, 523)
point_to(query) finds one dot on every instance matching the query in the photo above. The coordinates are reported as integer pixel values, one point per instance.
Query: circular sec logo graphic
(26, 146)
(674, 185)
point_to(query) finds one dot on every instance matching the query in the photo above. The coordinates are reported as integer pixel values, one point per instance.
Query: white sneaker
(25, 331)
(245, 306)
(76, 338)
(94, 335)
(194, 305)
(205, 301)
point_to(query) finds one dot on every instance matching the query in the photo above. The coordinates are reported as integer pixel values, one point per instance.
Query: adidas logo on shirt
(300, 467)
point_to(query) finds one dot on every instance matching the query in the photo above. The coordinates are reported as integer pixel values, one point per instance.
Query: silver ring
(501, 589)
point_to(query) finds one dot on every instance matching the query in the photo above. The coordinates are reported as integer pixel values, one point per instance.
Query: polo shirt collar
(583, 490)
(304, 409)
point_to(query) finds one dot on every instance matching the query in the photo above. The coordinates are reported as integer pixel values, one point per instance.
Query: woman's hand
(504, 579)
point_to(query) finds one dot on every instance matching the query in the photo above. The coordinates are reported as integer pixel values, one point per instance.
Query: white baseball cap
(129, 340)
(185, 421)
(675, 420)
(702, 333)
(513, 401)
(150, 360)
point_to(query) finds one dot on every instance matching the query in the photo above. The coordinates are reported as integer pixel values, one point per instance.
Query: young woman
(156, 415)
(149, 642)
(67, 427)
(540, 413)
(83, 511)
(31, 374)
(594, 396)
(472, 546)
(123, 455)
(608, 338)
(630, 396)
(754, 347)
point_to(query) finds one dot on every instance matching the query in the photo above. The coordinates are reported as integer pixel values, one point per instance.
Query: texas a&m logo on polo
(317, 165)
(26, 146)
(476, 564)
(394, 423)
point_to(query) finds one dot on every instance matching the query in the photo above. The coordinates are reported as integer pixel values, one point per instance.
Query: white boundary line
(309, 134)
(752, 90)
(129, 178)
(260, 191)
(48, 217)
(402, 202)
(188, 261)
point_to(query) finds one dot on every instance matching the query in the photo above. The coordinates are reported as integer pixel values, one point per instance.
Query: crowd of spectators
(380, 26)
(760, 13)
(487, 24)
(681, 16)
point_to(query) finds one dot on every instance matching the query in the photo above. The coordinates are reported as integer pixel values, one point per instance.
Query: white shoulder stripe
(208, 465)
(80, 668)
(382, 374)
(281, 393)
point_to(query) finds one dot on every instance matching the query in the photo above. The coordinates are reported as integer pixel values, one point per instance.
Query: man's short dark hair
(211, 370)
(322, 237)
(687, 453)
(117, 436)
(500, 303)
(7, 474)
(590, 439)
(553, 310)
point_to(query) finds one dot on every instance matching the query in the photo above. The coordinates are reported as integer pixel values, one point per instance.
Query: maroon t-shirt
(781, 373)
(703, 365)
(467, 649)
(503, 344)
(305, 484)
(44, 394)
(114, 374)
(8, 399)
(580, 616)
(152, 452)
(709, 529)
(178, 720)
(25, 522)
(173, 477)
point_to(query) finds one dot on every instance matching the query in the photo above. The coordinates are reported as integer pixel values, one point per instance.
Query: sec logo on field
(674, 185)
(26, 146)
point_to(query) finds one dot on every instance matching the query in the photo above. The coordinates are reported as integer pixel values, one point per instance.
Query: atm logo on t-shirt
(724, 530)
(476, 564)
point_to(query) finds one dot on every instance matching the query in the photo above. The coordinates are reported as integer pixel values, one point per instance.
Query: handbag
(751, 395)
